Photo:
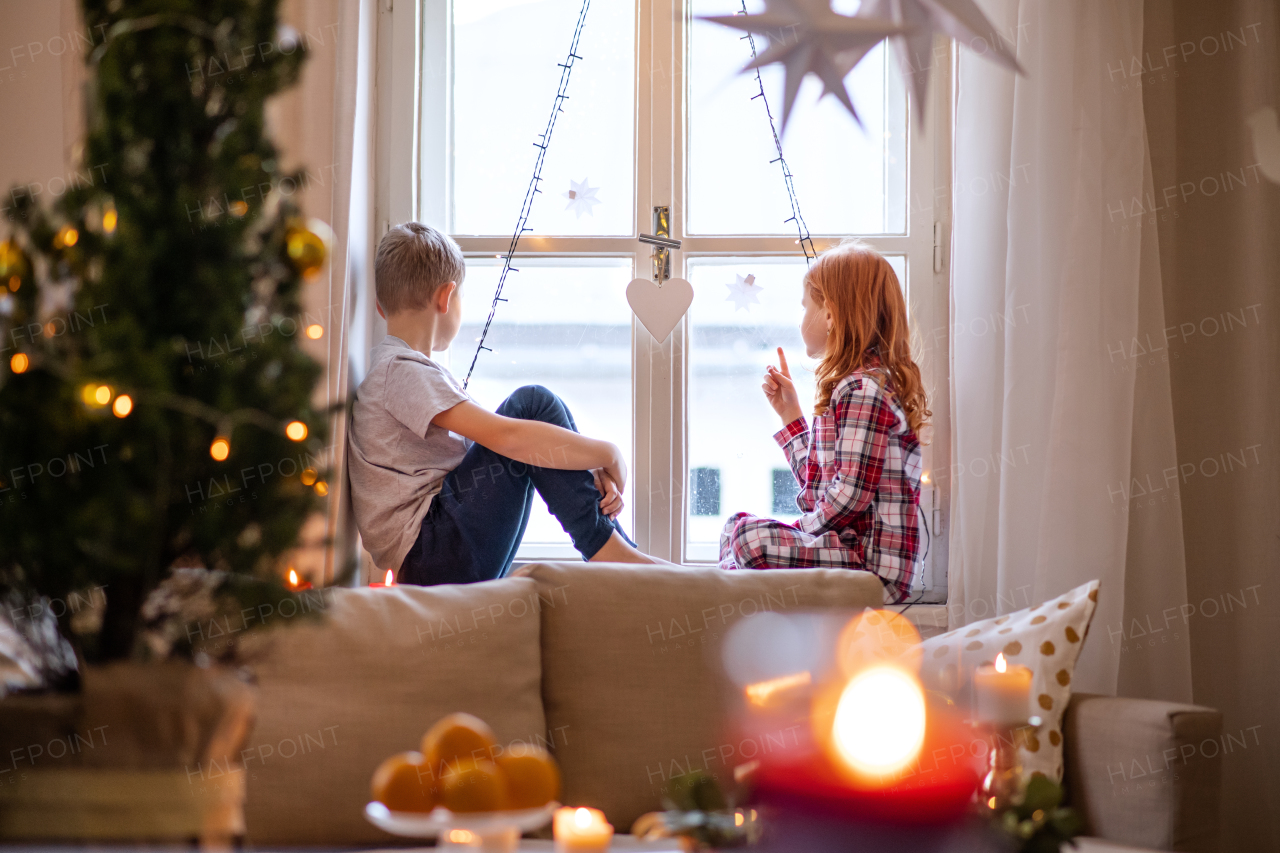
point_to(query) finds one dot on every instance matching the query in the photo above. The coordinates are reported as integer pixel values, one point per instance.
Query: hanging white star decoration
(743, 293)
(961, 20)
(582, 197)
(808, 37)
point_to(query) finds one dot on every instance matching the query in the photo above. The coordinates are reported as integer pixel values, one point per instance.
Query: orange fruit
(402, 783)
(457, 736)
(469, 785)
(533, 779)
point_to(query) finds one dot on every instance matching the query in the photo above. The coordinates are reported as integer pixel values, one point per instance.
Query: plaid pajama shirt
(859, 479)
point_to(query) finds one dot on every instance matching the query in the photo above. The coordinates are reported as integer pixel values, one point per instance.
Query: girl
(859, 473)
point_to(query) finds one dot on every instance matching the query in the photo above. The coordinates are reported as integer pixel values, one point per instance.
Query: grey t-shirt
(398, 458)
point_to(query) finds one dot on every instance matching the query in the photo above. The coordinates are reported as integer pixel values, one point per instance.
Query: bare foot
(616, 550)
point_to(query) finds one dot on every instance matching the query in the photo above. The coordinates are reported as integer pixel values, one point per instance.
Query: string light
(19, 363)
(238, 208)
(102, 395)
(220, 449)
(315, 331)
(522, 224)
(322, 488)
(14, 283)
(109, 220)
(309, 477)
(296, 430)
(802, 230)
(122, 406)
(66, 237)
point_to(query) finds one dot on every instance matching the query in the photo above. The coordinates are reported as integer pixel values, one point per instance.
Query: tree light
(322, 488)
(309, 477)
(220, 449)
(102, 395)
(19, 363)
(122, 406)
(109, 220)
(315, 331)
(66, 237)
(296, 430)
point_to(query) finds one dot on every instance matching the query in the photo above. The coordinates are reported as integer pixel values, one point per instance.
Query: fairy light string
(802, 230)
(522, 224)
(533, 190)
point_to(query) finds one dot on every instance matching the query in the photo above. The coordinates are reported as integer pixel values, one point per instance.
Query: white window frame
(412, 169)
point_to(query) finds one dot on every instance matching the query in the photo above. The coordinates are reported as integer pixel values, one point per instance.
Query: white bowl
(439, 820)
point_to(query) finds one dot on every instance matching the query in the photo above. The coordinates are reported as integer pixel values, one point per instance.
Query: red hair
(869, 329)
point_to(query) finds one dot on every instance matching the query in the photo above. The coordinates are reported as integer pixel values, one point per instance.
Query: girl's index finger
(782, 359)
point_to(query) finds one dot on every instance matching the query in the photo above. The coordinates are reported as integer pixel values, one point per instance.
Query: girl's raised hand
(781, 391)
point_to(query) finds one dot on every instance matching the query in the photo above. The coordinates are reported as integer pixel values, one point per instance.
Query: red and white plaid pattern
(859, 489)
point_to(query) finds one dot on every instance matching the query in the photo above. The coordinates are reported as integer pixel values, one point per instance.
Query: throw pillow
(1045, 638)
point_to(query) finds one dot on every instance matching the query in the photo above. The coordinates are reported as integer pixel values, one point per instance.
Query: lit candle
(296, 584)
(582, 831)
(389, 581)
(1003, 692)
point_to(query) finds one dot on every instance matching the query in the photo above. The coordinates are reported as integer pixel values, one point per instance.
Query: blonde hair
(869, 330)
(413, 260)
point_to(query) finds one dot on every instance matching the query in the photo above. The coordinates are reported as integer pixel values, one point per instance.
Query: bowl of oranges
(465, 789)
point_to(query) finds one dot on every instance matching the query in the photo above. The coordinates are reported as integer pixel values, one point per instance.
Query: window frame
(414, 112)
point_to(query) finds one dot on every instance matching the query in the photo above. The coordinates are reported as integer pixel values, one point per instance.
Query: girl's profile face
(815, 326)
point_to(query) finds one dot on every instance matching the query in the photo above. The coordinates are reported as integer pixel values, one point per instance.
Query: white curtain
(1063, 430)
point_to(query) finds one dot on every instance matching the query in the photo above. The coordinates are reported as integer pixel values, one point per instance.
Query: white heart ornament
(659, 309)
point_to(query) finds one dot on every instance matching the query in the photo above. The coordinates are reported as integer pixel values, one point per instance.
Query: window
(657, 116)
(704, 491)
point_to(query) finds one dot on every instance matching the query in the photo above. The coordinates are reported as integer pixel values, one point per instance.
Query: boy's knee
(534, 402)
(531, 397)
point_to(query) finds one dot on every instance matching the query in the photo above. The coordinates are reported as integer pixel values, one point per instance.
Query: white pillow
(1047, 639)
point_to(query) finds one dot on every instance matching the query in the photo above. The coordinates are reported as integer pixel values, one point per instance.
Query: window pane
(731, 424)
(566, 326)
(847, 180)
(506, 56)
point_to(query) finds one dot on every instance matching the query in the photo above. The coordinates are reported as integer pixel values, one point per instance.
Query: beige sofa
(617, 669)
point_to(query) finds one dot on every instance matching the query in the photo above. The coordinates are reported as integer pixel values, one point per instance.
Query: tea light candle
(582, 831)
(389, 581)
(1003, 692)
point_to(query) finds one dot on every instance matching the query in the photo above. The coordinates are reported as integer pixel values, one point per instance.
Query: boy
(441, 487)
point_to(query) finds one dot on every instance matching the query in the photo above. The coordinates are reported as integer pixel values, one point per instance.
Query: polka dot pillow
(1045, 638)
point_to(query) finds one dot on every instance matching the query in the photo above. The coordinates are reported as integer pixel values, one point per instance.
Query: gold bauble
(13, 262)
(306, 248)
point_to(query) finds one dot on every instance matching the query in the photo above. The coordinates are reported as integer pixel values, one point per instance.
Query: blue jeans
(474, 526)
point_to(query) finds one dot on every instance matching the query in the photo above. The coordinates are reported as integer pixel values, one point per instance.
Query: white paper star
(581, 197)
(961, 20)
(743, 293)
(807, 37)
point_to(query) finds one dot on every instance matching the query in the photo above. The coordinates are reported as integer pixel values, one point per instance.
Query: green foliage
(698, 810)
(1040, 824)
(176, 147)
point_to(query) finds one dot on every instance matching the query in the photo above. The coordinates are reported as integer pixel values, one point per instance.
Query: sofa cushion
(633, 683)
(1045, 638)
(337, 697)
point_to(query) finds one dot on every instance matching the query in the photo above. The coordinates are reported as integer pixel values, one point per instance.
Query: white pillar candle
(1003, 692)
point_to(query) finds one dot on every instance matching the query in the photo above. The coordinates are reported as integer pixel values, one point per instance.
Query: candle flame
(762, 691)
(582, 818)
(879, 697)
(391, 578)
(293, 578)
(1001, 666)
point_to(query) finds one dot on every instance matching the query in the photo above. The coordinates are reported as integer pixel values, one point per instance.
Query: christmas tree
(155, 408)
